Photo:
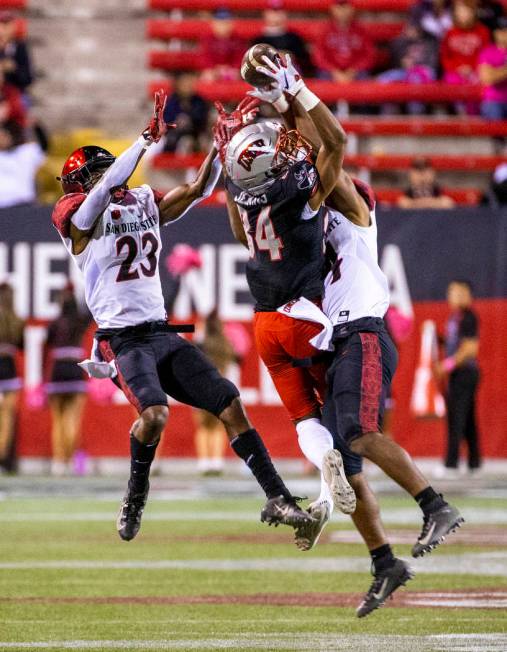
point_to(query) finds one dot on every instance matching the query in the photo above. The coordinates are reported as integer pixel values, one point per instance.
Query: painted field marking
(283, 641)
(492, 563)
(397, 516)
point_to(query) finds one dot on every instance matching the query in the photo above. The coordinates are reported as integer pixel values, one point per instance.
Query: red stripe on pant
(371, 383)
(108, 355)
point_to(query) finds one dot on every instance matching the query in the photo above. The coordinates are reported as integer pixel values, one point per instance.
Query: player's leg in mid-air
(280, 340)
(389, 572)
(361, 372)
(151, 364)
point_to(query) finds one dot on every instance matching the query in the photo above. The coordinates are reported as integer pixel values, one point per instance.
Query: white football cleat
(309, 533)
(342, 493)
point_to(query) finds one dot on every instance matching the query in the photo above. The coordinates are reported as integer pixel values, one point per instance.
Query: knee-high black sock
(250, 447)
(141, 457)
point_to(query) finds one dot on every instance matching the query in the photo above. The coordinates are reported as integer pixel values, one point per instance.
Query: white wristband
(307, 99)
(281, 104)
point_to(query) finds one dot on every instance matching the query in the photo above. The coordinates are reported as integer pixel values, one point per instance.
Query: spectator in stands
(423, 191)
(461, 46)
(276, 33)
(493, 74)
(12, 108)
(346, 51)
(19, 162)
(189, 111)
(14, 57)
(414, 56)
(222, 51)
(434, 17)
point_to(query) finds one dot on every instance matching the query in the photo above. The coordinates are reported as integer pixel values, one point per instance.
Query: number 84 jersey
(285, 238)
(120, 262)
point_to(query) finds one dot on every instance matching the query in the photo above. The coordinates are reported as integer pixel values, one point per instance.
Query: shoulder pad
(65, 208)
(365, 191)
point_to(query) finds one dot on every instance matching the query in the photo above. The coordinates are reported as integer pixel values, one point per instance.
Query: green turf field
(204, 574)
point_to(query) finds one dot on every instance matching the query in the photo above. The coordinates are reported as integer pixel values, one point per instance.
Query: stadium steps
(93, 73)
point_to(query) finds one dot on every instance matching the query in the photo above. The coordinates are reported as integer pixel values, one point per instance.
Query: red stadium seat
(306, 6)
(425, 127)
(361, 92)
(247, 29)
(13, 4)
(374, 162)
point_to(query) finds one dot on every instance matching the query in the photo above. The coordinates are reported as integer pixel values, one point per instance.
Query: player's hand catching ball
(283, 73)
(157, 126)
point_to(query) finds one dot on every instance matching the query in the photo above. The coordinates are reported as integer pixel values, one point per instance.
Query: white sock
(314, 440)
(325, 494)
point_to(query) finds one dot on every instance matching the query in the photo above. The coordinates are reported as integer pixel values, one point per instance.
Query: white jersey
(355, 287)
(120, 262)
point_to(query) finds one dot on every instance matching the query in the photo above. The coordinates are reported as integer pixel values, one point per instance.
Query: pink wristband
(449, 363)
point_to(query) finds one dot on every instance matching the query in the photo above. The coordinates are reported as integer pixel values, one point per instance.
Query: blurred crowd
(23, 142)
(457, 42)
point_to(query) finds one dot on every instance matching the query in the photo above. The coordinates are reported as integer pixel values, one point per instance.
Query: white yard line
(494, 563)
(405, 516)
(283, 641)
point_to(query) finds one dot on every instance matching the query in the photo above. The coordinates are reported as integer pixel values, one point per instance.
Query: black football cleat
(128, 522)
(436, 527)
(282, 510)
(384, 584)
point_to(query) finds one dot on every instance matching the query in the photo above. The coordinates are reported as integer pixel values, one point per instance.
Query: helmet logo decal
(249, 154)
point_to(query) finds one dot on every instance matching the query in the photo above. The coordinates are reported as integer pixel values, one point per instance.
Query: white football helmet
(259, 153)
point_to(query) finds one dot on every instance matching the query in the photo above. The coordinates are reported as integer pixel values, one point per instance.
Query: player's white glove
(269, 94)
(283, 74)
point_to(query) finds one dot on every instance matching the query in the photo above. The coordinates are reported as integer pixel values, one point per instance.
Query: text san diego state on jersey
(285, 238)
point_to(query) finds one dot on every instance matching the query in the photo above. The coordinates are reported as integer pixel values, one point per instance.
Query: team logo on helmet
(250, 153)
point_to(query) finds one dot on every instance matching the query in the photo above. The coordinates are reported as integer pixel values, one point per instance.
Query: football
(253, 59)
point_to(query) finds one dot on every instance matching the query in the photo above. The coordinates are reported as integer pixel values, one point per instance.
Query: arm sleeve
(99, 197)
(469, 326)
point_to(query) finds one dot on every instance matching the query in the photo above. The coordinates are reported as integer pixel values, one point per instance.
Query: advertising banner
(420, 252)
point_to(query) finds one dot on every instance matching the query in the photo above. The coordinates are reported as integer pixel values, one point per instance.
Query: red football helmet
(77, 172)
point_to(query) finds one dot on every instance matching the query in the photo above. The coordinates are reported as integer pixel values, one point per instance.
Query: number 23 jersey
(285, 238)
(120, 262)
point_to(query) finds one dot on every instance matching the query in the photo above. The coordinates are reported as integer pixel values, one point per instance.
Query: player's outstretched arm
(333, 137)
(181, 199)
(84, 219)
(344, 194)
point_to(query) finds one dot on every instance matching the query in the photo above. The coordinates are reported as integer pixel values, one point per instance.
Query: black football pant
(461, 423)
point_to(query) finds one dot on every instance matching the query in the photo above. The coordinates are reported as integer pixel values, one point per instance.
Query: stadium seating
(306, 6)
(357, 92)
(384, 20)
(375, 162)
(311, 30)
(13, 4)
